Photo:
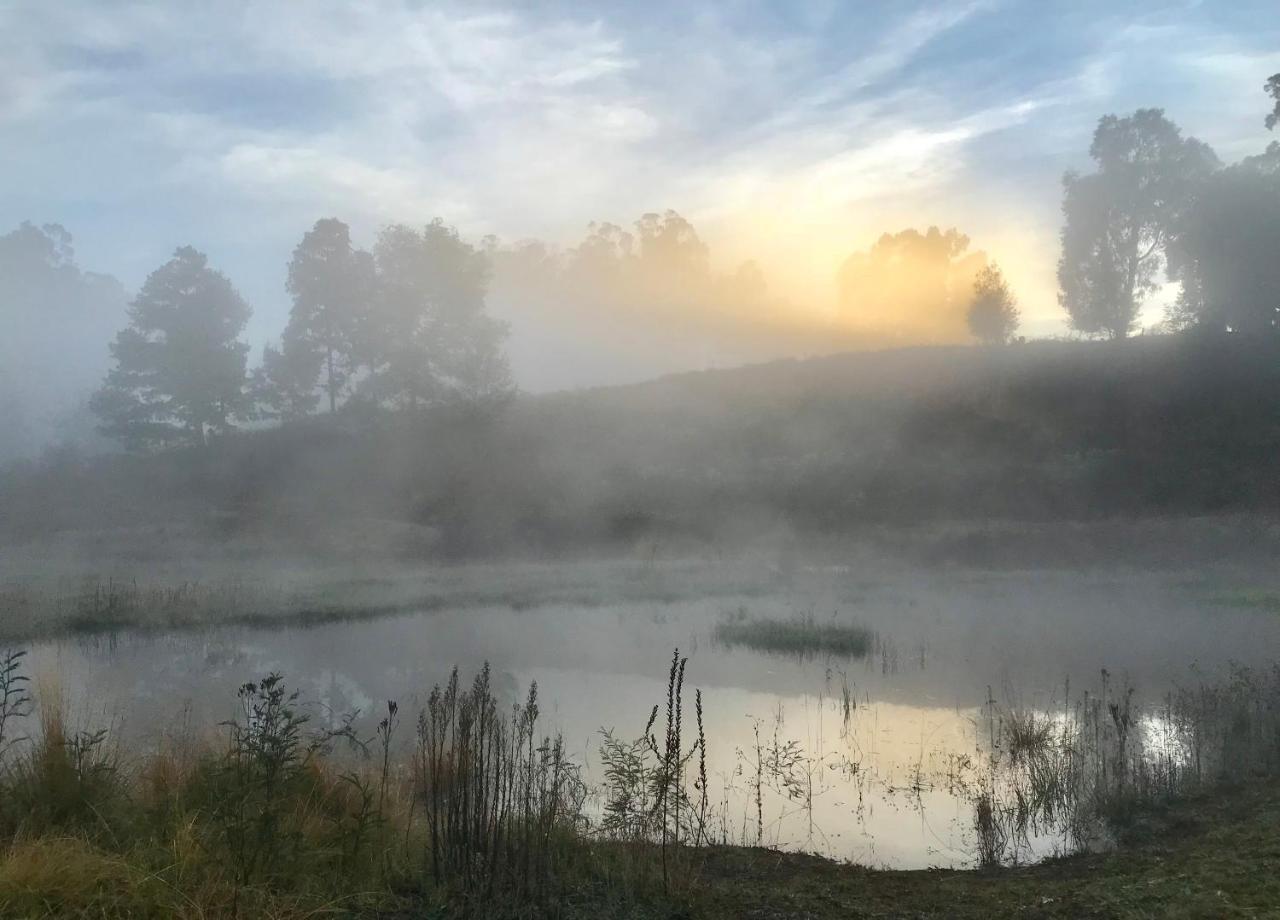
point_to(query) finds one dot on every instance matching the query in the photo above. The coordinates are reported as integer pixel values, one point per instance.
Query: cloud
(792, 134)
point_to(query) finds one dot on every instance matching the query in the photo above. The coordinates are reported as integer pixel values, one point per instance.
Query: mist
(522, 461)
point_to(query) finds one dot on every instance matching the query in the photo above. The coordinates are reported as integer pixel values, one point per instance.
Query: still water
(883, 750)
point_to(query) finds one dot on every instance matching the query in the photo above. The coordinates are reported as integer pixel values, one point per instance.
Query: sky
(793, 133)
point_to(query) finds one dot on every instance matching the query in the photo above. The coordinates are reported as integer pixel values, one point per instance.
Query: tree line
(403, 325)
(1161, 204)
(929, 285)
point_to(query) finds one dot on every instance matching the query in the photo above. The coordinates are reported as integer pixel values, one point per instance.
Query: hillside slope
(1042, 432)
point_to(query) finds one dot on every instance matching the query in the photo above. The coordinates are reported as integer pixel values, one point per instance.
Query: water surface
(885, 747)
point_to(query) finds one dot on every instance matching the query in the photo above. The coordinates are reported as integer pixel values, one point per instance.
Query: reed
(489, 816)
(501, 802)
(1090, 770)
(15, 698)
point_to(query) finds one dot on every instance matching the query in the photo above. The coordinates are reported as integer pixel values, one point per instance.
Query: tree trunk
(333, 396)
(1130, 281)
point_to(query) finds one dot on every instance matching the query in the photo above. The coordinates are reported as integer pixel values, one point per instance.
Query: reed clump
(1088, 771)
(803, 636)
(502, 804)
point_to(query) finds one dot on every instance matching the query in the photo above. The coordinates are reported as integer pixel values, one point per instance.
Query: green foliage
(266, 758)
(180, 365)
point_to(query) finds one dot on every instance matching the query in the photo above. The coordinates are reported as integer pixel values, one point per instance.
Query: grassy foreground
(1214, 855)
(467, 809)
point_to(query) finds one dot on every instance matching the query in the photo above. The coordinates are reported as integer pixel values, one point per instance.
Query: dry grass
(489, 818)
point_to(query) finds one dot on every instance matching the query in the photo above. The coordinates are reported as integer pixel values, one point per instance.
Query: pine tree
(331, 284)
(179, 370)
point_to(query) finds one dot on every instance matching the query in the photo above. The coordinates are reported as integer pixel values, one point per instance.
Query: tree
(913, 284)
(993, 315)
(58, 319)
(671, 254)
(1119, 219)
(428, 335)
(1227, 251)
(179, 365)
(284, 384)
(604, 256)
(1272, 89)
(331, 284)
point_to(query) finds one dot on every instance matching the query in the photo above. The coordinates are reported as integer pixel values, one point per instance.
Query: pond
(873, 758)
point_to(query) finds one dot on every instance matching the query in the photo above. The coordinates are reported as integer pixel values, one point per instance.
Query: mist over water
(889, 780)
(528, 461)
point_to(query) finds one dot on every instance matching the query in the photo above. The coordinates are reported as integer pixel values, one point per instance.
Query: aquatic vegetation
(804, 635)
(1088, 769)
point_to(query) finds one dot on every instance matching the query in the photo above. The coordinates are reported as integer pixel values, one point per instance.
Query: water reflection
(875, 759)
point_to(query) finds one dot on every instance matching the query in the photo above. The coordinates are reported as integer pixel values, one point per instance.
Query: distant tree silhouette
(993, 315)
(603, 259)
(671, 252)
(662, 264)
(1272, 89)
(1119, 219)
(58, 320)
(1227, 249)
(331, 284)
(915, 283)
(179, 365)
(427, 334)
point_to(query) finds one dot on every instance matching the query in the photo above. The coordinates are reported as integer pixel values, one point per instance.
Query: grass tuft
(803, 636)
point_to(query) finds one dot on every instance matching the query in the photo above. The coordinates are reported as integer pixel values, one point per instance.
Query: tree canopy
(332, 285)
(914, 283)
(1272, 89)
(993, 314)
(1227, 254)
(1119, 219)
(1226, 246)
(180, 364)
(428, 337)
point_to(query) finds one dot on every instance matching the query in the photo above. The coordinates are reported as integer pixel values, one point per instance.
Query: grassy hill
(1029, 434)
